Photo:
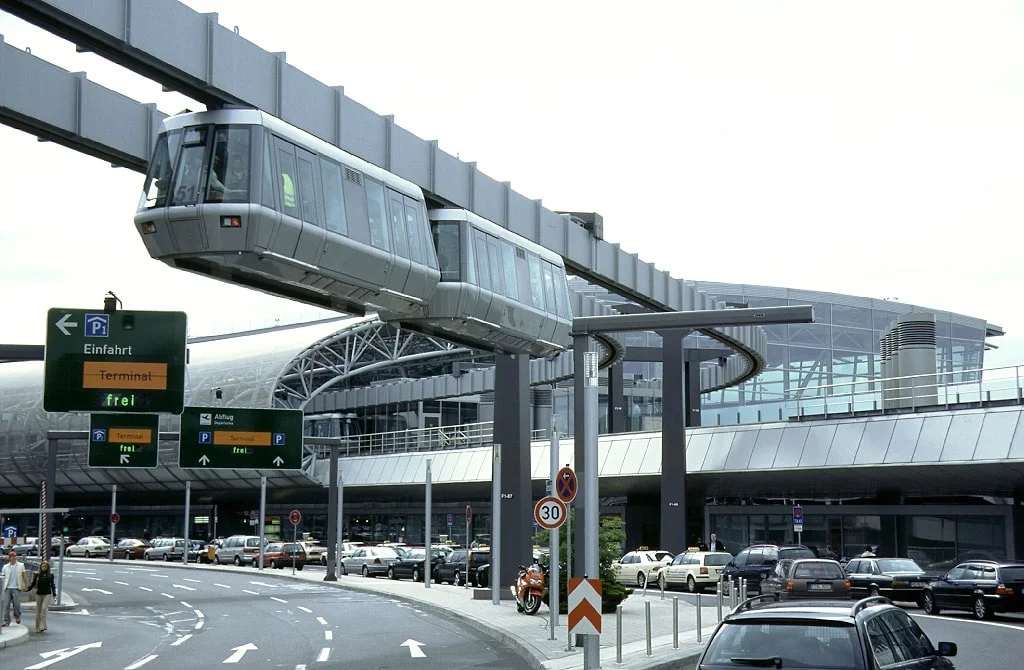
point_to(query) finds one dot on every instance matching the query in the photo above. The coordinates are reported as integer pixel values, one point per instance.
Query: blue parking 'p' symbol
(99, 435)
(205, 437)
(278, 439)
(97, 325)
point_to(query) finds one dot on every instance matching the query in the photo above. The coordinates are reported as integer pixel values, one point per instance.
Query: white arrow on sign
(63, 324)
(60, 654)
(204, 459)
(125, 458)
(278, 461)
(414, 648)
(240, 652)
(106, 593)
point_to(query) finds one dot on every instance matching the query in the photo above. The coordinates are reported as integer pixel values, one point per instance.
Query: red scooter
(529, 588)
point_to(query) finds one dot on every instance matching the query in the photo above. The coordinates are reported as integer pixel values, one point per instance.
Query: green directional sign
(125, 361)
(240, 439)
(123, 440)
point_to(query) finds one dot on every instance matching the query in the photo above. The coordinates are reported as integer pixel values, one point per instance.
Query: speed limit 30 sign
(549, 512)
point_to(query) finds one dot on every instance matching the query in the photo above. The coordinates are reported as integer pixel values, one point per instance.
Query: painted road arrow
(204, 459)
(106, 593)
(125, 458)
(59, 655)
(414, 648)
(240, 652)
(63, 324)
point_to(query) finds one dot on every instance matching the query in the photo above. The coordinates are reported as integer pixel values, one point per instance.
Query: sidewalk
(18, 633)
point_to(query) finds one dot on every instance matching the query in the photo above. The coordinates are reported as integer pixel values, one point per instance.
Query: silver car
(89, 547)
(369, 561)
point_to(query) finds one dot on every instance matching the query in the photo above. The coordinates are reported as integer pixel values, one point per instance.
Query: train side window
(508, 266)
(397, 228)
(268, 176)
(413, 230)
(355, 205)
(536, 281)
(307, 191)
(494, 260)
(289, 201)
(563, 286)
(446, 239)
(556, 294)
(334, 200)
(229, 169)
(549, 288)
(376, 210)
(483, 275)
(158, 181)
(428, 247)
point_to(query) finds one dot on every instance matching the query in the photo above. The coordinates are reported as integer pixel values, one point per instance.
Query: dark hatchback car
(452, 570)
(411, 564)
(823, 635)
(980, 587)
(808, 578)
(758, 561)
(895, 578)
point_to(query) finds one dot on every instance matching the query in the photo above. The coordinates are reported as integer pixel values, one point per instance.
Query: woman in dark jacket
(42, 586)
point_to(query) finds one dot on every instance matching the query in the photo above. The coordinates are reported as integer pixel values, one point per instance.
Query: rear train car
(241, 196)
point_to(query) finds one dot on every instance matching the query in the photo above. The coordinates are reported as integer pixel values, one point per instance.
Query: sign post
(240, 439)
(114, 361)
(798, 521)
(295, 517)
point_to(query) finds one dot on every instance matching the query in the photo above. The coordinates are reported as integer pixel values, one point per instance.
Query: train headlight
(234, 221)
(148, 228)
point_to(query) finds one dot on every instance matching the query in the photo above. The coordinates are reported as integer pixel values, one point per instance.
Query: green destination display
(122, 361)
(241, 438)
(123, 440)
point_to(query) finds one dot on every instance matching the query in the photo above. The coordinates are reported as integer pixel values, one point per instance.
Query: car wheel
(415, 574)
(298, 567)
(366, 571)
(344, 572)
(928, 603)
(238, 562)
(458, 579)
(691, 584)
(323, 560)
(87, 554)
(437, 577)
(275, 565)
(662, 582)
(391, 573)
(873, 591)
(981, 608)
(167, 558)
(641, 579)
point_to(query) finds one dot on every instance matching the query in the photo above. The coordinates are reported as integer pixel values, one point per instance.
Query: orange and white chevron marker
(584, 606)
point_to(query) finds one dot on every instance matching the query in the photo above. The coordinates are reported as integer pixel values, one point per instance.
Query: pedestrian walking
(12, 577)
(42, 587)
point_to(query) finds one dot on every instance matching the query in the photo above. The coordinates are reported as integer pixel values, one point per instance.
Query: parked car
(694, 570)
(315, 552)
(980, 587)
(131, 548)
(161, 548)
(894, 578)
(411, 564)
(637, 567)
(369, 561)
(871, 633)
(280, 555)
(196, 551)
(758, 561)
(90, 546)
(30, 547)
(453, 569)
(238, 549)
(806, 578)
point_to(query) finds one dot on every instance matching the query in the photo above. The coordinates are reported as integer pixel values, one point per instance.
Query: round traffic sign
(566, 485)
(451, 518)
(295, 516)
(115, 517)
(549, 512)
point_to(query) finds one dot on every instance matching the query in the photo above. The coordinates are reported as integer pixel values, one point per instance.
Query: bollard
(698, 617)
(662, 585)
(719, 599)
(647, 616)
(675, 622)
(618, 634)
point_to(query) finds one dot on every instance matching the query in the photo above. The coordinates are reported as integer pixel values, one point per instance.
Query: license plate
(820, 587)
(917, 584)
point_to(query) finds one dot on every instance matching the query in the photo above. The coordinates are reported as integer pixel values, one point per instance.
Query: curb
(12, 637)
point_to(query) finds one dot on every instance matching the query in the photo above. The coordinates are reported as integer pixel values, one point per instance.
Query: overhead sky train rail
(191, 52)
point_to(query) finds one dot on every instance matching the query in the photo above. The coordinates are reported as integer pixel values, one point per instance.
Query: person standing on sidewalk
(12, 578)
(42, 587)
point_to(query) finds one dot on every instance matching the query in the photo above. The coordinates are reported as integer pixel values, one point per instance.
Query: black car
(758, 561)
(981, 587)
(894, 578)
(452, 570)
(411, 564)
(871, 633)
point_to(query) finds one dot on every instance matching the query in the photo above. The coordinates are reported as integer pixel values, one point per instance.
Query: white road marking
(414, 648)
(305, 609)
(223, 586)
(95, 579)
(328, 634)
(282, 601)
(146, 589)
(239, 652)
(141, 662)
(58, 655)
(197, 581)
(183, 587)
(181, 640)
(325, 653)
(987, 623)
(200, 615)
(123, 583)
(167, 595)
(199, 624)
(161, 576)
(323, 621)
(185, 604)
(254, 593)
(264, 584)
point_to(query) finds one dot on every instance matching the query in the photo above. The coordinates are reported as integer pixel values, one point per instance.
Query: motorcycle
(529, 588)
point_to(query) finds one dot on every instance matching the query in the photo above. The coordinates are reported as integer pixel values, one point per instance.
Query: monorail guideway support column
(691, 386)
(673, 443)
(512, 415)
(617, 416)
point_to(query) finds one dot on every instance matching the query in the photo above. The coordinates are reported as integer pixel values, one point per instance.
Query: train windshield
(158, 180)
(229, 173)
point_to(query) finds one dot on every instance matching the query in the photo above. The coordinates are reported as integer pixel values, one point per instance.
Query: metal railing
(436, 438)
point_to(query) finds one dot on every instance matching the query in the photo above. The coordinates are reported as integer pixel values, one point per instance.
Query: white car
(694, 570)
(637, 567)
(89, 547)
(369, 561)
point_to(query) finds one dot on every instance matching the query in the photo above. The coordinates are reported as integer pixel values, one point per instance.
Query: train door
(399, 243)
(312, 238)
(286, 237)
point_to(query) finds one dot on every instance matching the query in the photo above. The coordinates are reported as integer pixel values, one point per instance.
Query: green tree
(610, 538)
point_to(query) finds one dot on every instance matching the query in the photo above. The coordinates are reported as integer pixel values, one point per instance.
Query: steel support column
(673, 443)
(512, 415)
(617, 401)
(691, 383)
(580, 343)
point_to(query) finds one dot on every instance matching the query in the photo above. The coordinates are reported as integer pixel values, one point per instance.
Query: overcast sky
(867, 148)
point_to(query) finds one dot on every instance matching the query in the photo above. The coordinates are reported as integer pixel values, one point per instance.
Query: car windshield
(415, 554)
(797, 645)
(1014, 574)
(817, 570)
(796, 552)
(717, 559)
(898, 565)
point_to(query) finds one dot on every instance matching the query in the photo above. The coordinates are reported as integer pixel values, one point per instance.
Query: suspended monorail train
(241, 196)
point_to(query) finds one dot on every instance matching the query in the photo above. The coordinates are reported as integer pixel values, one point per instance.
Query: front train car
(241, 196)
